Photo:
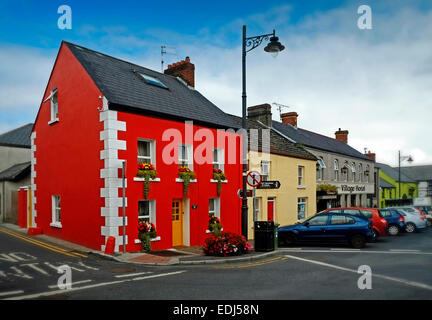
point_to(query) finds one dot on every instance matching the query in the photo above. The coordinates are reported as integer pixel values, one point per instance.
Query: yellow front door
(177, 223)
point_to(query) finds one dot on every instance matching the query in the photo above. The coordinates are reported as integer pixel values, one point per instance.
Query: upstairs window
(265, 170)
(300, 175)
(185, 156)
(360, 169)
(218, 159)
(320, 169)
(146, 151)
(56, 211)
(153, 81)
(336, 170)
(353, 172)
(53, 97)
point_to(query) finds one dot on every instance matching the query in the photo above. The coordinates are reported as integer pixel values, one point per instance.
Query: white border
(32, 177)
(109, 173)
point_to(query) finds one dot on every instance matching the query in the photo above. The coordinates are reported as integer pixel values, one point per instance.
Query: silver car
(413, 219)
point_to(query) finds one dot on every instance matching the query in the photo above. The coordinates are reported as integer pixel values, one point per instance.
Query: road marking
(43, 244)
(250, 264)
(50, 293)
(405, 250)
(343, 249)
(10, 293)
(403, 281)
(34, 267)
(354, 251)
(132, 274)
(54, 286)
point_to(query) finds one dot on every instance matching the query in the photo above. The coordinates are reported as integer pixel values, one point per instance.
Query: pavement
(175, 256)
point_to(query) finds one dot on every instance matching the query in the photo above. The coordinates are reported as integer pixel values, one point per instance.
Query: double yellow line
(252, 264)
(43, 244)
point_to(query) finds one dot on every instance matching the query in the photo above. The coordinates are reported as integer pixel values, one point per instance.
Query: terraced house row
(100, 114)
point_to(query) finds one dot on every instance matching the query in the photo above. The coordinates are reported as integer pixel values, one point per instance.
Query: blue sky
(370, 82)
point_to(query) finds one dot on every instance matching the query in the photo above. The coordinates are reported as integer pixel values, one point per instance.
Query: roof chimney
(183, 69)
(289, 118)
(342, 135)
(261, 113)
(371, 156)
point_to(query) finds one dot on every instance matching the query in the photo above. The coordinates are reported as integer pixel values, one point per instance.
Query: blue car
(326, 227)
(396, 223)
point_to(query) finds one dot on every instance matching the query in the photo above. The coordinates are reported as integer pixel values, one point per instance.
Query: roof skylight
(153, 81)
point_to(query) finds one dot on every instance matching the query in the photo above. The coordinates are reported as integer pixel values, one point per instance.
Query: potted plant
(214, 225)
(186, 175)
(146, 171)
(219, 176)
(326, 188)
(146, 232)
(226, 244)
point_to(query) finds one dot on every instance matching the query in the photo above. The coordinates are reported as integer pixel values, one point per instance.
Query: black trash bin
(264, 236)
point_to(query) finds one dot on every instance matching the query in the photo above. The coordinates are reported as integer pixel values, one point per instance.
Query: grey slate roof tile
(124, 89)
(393, 173)
(278, 143)
(15, 172)
(318, 141)
(19, 137)
(418, 173)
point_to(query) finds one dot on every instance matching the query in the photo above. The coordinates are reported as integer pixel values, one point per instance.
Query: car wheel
(358, 241)
(410, 227)
(375, 235)
(289, 239)
(393, 230)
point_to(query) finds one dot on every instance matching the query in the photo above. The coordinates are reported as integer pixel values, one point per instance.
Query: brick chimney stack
(371, 156)
(183, 69)
(261, 113)
(342, 135)
(289, 118)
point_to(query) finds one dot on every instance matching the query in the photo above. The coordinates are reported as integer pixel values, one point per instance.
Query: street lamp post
(402, 158)
(248, 44)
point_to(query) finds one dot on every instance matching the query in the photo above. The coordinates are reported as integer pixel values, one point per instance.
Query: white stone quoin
(112, 184)
(32, 177)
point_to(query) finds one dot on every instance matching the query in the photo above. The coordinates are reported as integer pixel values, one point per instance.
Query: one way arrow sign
(269, 185)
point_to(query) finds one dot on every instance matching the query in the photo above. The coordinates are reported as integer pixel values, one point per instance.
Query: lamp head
(274, 46)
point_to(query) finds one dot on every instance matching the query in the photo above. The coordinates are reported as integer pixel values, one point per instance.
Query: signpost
(254, 179)
(274, 184)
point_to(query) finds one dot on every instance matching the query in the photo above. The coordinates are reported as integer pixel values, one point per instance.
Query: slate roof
(393, 173)
(126, 90)
(278, 144)
(385, 184)
(418, 173)
(19, 137)
(16, 172)
(318, 141)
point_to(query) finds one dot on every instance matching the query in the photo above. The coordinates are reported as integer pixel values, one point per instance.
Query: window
(320, 169)
(257, 209)
(353, 212)
(367, 214)
(336, 170)
(360, 169)
(152, 81)
(318, 221)
(339, 219)
(301, 208)
(345, 172)
(54, 105)
(147, 211)
(218, 159)
(265, 170)
(56, 211)
(367, 174)
(185, 156)
(335, 211)
(146, 151)
(214, 207)
(300, 175)
(385, 213)
(353, 171)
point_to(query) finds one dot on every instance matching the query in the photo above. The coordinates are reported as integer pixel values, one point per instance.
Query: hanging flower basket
(219, 176)
(146, 171)
(146, 232)
(214, 225)
(186, 175)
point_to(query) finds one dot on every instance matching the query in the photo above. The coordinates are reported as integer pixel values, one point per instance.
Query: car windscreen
(385, 213)
(367, 214)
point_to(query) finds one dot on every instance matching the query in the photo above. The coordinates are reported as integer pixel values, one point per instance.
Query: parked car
(427, 210)
(379, 224)
(325, 227)
(413, 220)
(396, 222)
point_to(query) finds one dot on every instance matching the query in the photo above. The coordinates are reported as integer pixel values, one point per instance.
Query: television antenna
(280, 107)
(164, 52)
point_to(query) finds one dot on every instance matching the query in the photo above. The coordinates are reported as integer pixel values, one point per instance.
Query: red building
(99, 111)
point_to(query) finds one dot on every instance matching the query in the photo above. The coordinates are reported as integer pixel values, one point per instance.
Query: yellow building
(276, 157)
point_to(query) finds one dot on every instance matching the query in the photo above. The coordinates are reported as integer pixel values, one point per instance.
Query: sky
(375, 82)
